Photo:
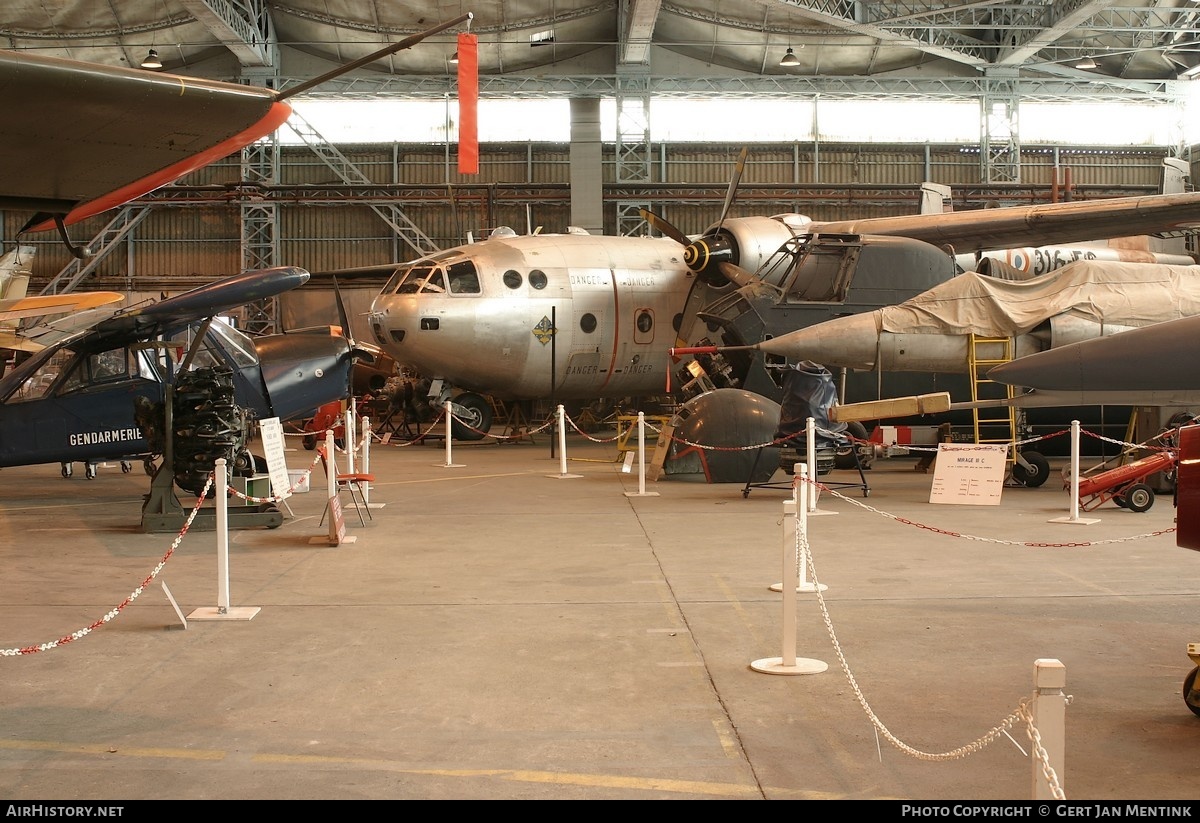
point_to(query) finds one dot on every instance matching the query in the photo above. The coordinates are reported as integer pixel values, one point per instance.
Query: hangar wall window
(588, 323)
(673, 121)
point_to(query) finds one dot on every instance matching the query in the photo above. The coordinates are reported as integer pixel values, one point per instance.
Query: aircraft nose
(304, 370)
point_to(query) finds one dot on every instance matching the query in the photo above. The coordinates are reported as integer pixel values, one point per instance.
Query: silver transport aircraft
(575, 316)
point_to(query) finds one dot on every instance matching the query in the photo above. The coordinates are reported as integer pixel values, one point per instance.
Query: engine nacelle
(748, 242)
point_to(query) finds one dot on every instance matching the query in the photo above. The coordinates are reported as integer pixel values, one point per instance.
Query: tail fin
(14, 277)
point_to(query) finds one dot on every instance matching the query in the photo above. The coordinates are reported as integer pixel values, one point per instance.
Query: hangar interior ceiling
(987, 51)
(694, 47)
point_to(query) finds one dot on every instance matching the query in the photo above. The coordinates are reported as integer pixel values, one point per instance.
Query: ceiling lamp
(1086, 63)
(151, 60)
(789, 59)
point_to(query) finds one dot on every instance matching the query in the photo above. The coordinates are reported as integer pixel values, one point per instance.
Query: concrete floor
(498, 630)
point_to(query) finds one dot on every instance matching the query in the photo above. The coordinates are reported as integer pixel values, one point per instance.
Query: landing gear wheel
(1139, 497)
(89, 471)
(67, 470)
(126, 467)
(844, 457)
(1033, 475)
(309, 441)
(473, 411)
(1192, 700)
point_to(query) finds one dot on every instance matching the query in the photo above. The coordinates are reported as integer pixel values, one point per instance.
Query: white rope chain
(1022, 712)
(62, 641)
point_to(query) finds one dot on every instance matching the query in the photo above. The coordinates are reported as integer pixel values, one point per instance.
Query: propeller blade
(343, 317)
(736, 274)
(663, 226)
(733, 183)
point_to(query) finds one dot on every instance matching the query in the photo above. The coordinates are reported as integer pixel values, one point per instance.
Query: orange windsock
(468, 103)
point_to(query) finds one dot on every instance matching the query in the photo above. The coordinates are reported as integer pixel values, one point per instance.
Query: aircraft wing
(986, 229)
(92, 137)
(19, 307)
(143, 322)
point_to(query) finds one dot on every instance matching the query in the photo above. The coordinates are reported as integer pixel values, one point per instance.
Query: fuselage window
(537, 279)
(512, 279)
(109, 365)
(463, 278)
(587, 323)
(643, 324)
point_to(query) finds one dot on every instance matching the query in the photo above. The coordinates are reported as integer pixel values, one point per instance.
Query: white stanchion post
(366, 460)
(220, 483)
(641, 492)
(1075, 518)
(562, 446)
(449, 464)
(810, 435)
(801, 489)
(1050, 720)
(788, 663)
(790, 536)
(223, 611)
(330, 467)
(351, 438)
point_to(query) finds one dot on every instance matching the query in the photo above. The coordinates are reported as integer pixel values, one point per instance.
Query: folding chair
(352, 482)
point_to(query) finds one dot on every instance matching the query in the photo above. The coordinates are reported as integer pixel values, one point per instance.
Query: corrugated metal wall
(179, 245)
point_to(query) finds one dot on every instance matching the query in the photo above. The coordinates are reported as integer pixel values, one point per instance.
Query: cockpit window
(408, 281)
(221, 337)
(109, 365)
(84, 372)
(236, 343)
(434, 284)
(463, 277)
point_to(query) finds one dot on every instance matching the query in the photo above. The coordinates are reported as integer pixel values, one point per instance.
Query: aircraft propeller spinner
(706, 255)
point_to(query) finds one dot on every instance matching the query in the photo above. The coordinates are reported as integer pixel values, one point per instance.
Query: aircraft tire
(1139, 497)
(1037, 473)
(477, 414)
(1188, 683)
(844, 459)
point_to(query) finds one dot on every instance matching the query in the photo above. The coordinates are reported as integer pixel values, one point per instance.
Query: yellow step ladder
(992, 424)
